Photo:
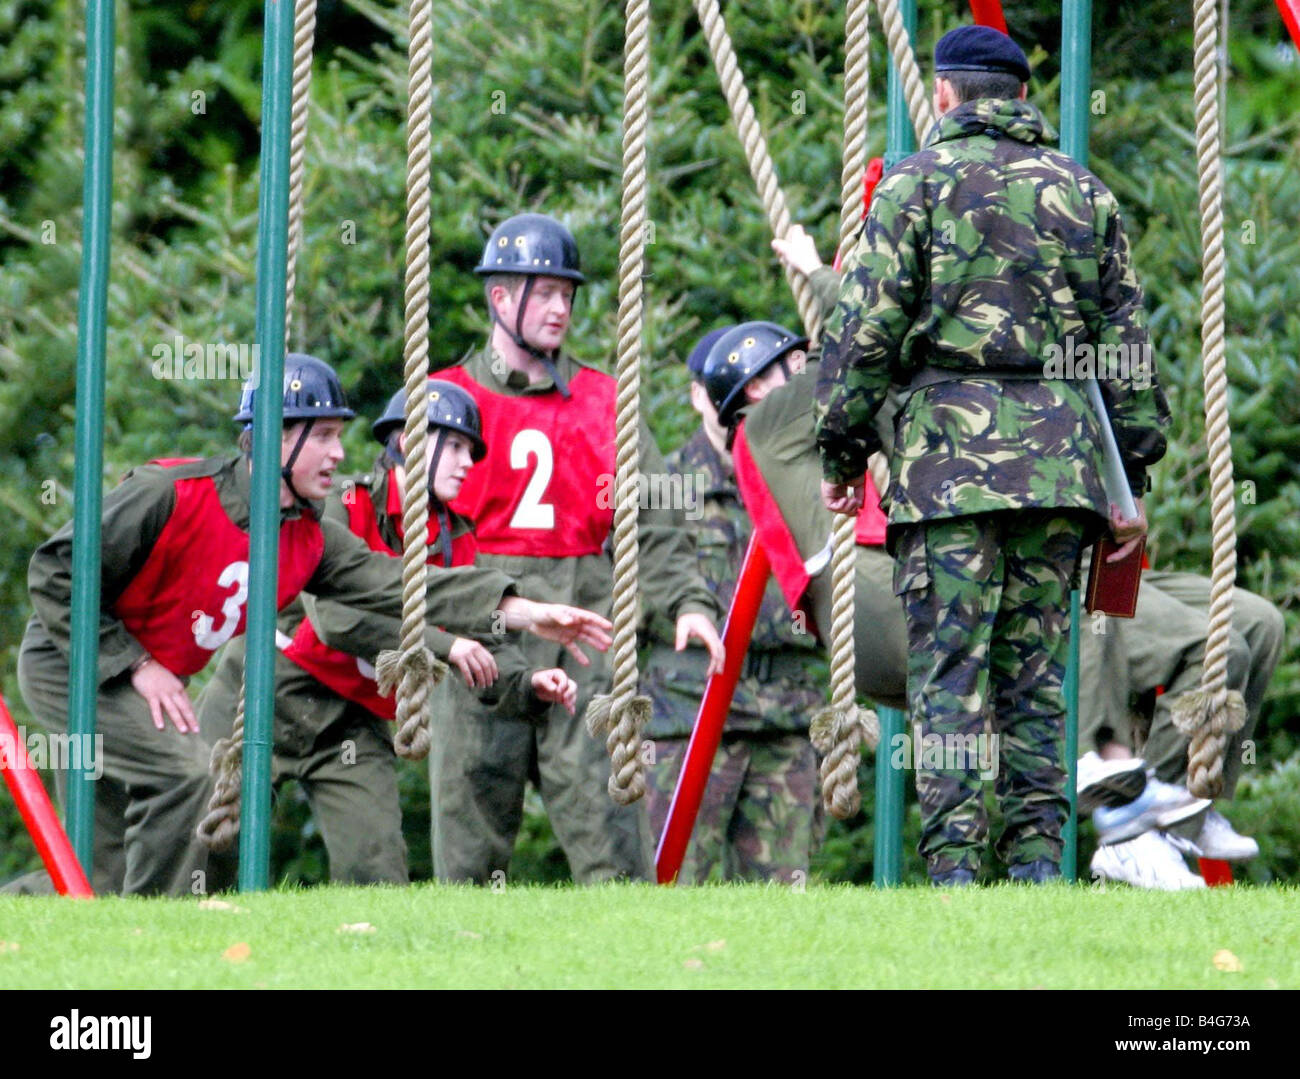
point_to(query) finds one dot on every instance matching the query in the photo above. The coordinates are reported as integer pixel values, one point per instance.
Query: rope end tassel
(1209, 720)
(621, 720)
(219, 827)
(417, 670)
(837, 734)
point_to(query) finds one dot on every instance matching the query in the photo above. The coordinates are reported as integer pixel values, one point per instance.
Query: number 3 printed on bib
(232, 609)
(532, 512)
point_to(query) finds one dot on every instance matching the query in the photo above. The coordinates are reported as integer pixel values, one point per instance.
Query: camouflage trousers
(986, 600)
(758, 820)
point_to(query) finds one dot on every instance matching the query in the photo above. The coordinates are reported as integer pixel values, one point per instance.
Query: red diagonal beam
(37, 812)
(714, 708)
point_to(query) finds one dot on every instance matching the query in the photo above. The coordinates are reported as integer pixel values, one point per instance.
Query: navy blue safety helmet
(450, 407)
(534, 245)
(739, 355)
(312, 391)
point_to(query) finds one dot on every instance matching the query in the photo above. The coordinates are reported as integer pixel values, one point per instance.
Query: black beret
(980, 48)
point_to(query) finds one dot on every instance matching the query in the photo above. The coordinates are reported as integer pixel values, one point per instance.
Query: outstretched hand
(702, 629)
(556, 687)
(569, 626)
(476, 664)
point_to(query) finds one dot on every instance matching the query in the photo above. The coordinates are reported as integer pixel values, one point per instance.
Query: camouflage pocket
(911, 562)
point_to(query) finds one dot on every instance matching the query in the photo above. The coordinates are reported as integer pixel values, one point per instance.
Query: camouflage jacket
(989, 254)
(780, 684)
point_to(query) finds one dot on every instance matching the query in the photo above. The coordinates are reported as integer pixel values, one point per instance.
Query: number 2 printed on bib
(532, 512)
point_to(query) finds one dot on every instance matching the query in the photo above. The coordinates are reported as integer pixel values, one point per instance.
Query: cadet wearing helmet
(174, 586)
(542, 504)
(758, 818)
(332, 729)
(777, 469)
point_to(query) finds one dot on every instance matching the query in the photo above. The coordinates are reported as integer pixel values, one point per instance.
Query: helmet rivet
(734, 358)
(749, 342)
(295, 385)
(433, 395)
(548, 262)
(519, 241)
(502, 242)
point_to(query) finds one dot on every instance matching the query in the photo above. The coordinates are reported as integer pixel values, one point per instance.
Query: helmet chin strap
(546, 359)
(444, 520)
(286, 470)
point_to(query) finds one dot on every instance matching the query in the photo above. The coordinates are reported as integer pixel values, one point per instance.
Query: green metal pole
(887, 864)
(272, 261)
(88, 483)
(887, 868)
(1076, 79)
(1070, 851)
(900, 136)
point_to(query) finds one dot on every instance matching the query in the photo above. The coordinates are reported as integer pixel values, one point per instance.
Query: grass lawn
(642, 936)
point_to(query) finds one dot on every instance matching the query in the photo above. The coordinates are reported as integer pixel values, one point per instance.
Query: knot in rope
(621, 719)
(416, 671)
(1209, 720)
(837, 734)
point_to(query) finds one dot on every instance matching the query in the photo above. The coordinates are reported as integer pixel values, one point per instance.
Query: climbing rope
(756, 151)
(1210, 714)
(914, 88)
(838, 731)
(304, 35)
(414, 670)
(220, 826)
(621, 714)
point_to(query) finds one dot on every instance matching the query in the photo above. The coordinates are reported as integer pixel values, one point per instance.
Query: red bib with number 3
(546, 488)
(191, 596)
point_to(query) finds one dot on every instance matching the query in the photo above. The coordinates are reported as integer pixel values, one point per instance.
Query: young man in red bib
(542, 504)
(175, 576)
(333, 729)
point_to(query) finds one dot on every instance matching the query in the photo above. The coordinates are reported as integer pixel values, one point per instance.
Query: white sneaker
(1160, 805)
(1149, 861)
(1218, 839)
(1109, 783)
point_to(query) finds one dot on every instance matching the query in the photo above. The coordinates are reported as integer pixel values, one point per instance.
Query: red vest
(189, 598)
(546, 488)
(773, 532)
(351, 677)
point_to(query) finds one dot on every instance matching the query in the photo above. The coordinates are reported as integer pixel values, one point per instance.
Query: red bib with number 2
(546, 488)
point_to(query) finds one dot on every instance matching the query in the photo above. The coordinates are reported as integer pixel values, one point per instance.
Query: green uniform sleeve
(863, 338)
(134, 515)
(365, 633)
(512, 693)
(668, 571)
(1135, 402)
(460, 600)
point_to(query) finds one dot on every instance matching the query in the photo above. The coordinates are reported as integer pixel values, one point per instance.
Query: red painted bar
(714, 708)
(38, 813)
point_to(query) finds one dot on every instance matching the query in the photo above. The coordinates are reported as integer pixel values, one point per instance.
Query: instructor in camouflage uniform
(758, 818)
(980, 254)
